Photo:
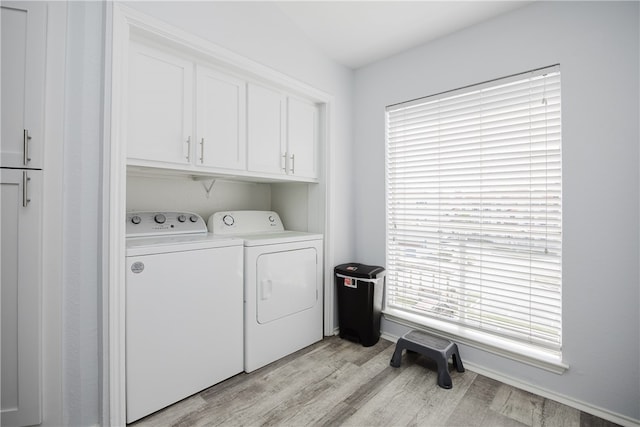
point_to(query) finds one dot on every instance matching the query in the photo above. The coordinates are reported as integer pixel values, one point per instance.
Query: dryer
(184, 304)
(282, 284)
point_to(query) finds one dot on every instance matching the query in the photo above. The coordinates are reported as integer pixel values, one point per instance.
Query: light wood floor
(339, 383)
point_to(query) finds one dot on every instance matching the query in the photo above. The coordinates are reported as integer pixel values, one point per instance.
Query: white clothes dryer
(184, 309)
(282, 284)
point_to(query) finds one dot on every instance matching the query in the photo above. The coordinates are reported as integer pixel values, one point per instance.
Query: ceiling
(357, 33)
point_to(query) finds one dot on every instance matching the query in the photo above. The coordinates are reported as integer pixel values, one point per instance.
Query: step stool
(438, 349)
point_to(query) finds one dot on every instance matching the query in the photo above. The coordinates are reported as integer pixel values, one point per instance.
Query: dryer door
(286, 283)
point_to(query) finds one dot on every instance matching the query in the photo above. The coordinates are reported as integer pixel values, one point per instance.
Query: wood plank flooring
(339, 383)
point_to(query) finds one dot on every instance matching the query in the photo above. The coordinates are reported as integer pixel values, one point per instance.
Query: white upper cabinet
(160, 119)
(186, 114)
(282, 133)
(302, 138)
(23, 79)
(221, 120)
(266, 122)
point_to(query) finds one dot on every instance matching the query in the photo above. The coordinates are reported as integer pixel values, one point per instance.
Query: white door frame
(121, 22)
(53, 187)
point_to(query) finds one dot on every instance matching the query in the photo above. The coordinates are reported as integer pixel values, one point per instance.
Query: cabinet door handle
(293, 163)
(188, 148)
(25, 189)
(283, 163)
(202, 150)
(25, 145)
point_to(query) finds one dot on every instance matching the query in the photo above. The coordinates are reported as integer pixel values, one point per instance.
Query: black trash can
(360, 289)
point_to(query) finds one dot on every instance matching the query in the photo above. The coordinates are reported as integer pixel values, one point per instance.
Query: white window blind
(474, 213)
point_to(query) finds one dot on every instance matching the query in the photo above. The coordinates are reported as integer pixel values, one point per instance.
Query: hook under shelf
(204, 180)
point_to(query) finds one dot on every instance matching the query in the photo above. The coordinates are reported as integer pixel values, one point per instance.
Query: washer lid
(178, 243)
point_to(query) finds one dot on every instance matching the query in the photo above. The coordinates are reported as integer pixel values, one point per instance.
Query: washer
(282, 284)
(184, 305)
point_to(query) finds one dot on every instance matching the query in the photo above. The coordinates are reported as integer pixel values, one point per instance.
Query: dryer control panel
(244, 222)
(151, 224)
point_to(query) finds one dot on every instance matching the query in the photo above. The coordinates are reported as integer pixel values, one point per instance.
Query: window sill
(501, 347)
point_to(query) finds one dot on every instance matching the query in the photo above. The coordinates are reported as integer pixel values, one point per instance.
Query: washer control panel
(244, 222)
(150, 224)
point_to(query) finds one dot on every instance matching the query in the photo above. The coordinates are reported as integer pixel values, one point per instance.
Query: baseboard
(388, 337)
(565, 400)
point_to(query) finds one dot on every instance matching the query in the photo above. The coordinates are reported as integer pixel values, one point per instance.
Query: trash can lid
(357, 270)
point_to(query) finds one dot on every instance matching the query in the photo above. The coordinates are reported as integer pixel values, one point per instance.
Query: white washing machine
(184, 309)
(282, 284)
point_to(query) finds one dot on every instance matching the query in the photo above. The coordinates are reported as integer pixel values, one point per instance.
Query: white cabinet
(302, 138)
(21, 192)
(221, 120)
(164, 128)
(188, 116)
(23, 27)
(265, 132)
(282, 133)
(23, 78)
(160, 119)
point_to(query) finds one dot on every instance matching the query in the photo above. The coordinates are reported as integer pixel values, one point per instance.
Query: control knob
(160, 218)
(228, 220)
(136, 219)
(193, 218)
(182, 218)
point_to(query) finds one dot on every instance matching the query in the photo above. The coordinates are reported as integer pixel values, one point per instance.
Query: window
(474, 213)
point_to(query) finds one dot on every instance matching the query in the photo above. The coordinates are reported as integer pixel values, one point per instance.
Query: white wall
(258, 31)
(597, 47)
(81, 213)
(183, 193)
(291, 201)
(53, 213)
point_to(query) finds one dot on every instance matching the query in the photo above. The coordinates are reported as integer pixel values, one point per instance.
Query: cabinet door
(302, 138)
(160, 117)
(221, 120)
(265, 130)
(23, 78)
(21, 277)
